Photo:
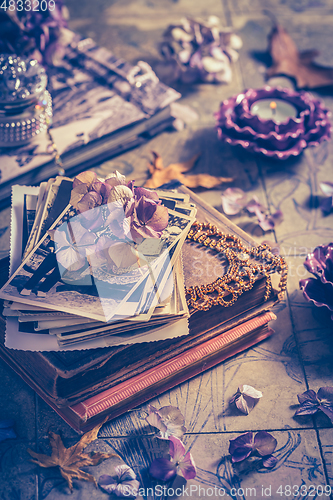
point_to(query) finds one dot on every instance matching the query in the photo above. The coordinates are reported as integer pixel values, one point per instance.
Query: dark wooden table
(300, 354)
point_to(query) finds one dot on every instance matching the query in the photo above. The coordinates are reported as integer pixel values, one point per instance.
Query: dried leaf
(300, 66)
(161, 175)
(70, 460)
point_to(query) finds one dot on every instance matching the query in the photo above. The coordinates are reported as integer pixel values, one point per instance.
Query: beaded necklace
(242, 271)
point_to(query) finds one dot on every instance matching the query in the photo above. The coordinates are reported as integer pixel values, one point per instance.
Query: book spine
(130, 388)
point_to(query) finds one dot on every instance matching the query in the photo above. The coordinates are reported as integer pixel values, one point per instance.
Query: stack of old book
(201, 293)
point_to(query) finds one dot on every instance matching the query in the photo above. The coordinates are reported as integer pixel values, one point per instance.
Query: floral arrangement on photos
(112, 218)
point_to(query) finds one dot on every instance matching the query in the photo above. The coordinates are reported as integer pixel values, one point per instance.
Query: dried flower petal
(148, 219)
(87, 178)
(38, 34)
(241, 447)
(255, 207)
(233, 200)
(268, 222)
(120, 193)
(319, 290)
(246, 398)
(311, 402)
(116, 179)
(198, 51)
(124, 255)
(264, 443)
(168, 419)
(164, 469)
(184, 461)
(122, 484)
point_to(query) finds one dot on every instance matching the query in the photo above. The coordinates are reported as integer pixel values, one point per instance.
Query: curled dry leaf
(71, 460)
(161, 175)
(300, 66)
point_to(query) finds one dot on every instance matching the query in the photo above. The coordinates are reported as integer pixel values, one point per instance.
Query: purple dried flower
(319, 290)
(122, 484)
(169, 420)
(237, 125)
(148, 219)
(42, 35)
(198, 51)
(311, 402)
(6, 430)
(246, 398)
(235, 199)
(164, 469)
(267, 222)
(115, 216)
(264, 443)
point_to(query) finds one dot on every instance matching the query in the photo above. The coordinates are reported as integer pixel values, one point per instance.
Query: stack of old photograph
(95, 263)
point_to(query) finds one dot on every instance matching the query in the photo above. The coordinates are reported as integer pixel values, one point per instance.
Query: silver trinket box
(25, 104)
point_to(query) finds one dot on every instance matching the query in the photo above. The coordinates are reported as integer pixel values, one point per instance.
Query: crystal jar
(25, 104)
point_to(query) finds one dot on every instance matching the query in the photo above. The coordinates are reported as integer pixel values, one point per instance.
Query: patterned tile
(313, 329)
(299, 465)
(326, 439)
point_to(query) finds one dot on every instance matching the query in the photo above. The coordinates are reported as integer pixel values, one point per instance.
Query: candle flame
(272, 105)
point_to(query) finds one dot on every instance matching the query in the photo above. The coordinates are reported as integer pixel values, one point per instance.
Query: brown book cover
(67, 378)
(139, 388)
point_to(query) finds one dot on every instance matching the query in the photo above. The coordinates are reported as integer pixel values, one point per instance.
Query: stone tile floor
(299, 356)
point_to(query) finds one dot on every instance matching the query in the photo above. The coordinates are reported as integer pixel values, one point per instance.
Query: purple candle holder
(274, 122)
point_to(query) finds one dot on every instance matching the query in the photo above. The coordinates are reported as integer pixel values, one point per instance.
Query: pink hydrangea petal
(155, 419)
(159, 221)
(254, 205)
(187, 466)
(163, 469)
(233, 200)
(120, 193)
(268, 222)
(140, 191)
(89, 201)
(116, 179)
(264, 443)
(77, 194)
(87, 177)
(177, 448)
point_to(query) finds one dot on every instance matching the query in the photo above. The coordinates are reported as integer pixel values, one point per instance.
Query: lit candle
(273, 109)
